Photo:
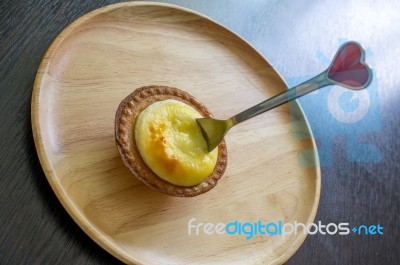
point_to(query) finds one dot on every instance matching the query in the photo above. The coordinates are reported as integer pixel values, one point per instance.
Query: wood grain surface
(99, 60)
(35, 228)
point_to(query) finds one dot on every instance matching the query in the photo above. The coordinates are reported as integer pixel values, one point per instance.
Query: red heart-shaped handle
(348, 68)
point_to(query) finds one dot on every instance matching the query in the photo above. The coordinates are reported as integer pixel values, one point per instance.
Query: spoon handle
(304, 88)
(348, 69)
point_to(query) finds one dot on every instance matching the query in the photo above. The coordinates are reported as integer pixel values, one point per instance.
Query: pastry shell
(125, 121)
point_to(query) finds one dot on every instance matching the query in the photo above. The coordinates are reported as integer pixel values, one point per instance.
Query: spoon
(348, 69)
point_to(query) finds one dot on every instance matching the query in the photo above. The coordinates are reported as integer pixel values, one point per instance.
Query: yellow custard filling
(171, 144)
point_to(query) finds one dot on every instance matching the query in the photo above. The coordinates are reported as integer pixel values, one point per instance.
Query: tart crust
(125, 122)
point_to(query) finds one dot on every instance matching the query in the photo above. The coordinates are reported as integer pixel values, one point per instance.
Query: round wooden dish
(101, 58)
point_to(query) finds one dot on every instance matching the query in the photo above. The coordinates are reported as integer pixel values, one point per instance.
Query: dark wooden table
(360, 158)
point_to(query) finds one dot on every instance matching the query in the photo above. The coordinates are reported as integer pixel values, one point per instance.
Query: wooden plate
(102, 57)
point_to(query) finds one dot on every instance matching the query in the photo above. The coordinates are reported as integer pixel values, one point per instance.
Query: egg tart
(160, 142)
